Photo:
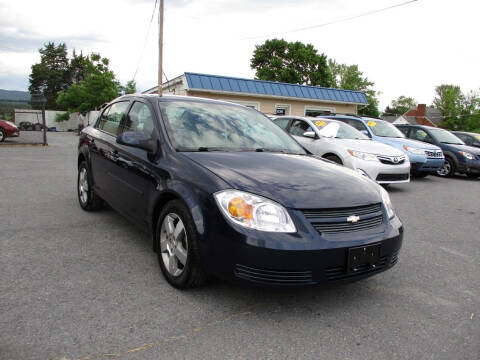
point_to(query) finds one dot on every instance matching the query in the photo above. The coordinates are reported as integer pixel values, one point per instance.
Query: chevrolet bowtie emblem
(353, 218)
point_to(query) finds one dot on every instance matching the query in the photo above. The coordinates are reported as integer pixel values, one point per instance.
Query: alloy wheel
(83, 185)
(173, 244)
(445, 169)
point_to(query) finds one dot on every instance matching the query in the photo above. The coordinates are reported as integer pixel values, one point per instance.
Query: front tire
(2, 135)
(89, 201)
(448, 168)
(177, 247)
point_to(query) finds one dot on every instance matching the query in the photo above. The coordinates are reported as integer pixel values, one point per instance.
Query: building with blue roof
(270, 97)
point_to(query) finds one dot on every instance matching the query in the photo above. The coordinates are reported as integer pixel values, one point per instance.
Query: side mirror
(310, 134)
(137, 139)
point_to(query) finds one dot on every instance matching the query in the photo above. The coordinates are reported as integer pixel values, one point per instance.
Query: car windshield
(205, 126)
(383, 129)
(445, 137)
(338, 130)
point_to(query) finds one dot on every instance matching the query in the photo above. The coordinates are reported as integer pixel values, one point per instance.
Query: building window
(318, 110)
(282, 109)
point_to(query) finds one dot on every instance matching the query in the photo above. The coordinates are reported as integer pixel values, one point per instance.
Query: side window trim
(109, 107)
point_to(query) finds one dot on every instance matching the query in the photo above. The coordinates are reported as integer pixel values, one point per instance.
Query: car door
(134, 171)
(103, 156)
(297, 128)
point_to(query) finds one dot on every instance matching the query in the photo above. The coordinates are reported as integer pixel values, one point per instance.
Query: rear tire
(89, 201)
(177, 247)
(334, 158)
(448, 168)
(3, 135)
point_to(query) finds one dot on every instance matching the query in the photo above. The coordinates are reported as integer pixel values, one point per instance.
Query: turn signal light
(239, 209)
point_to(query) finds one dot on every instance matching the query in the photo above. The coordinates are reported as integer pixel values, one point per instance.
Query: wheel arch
(334, 154)
(186, 196)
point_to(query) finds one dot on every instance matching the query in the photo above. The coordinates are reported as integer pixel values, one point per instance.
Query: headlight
(414, 150)
(363, 156)
(254, 212)
(387, 202)
(467, 155)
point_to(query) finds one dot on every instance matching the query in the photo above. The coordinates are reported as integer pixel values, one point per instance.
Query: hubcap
(83, 186)
(173, 244)
(445, 169)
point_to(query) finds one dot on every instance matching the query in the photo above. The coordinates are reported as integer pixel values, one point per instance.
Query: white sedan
(345, 145)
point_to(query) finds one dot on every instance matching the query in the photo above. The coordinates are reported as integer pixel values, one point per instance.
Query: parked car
(224, 191)
(469, 138)
(459, 158)
(8, 129)
(424, 158)
(343, 144)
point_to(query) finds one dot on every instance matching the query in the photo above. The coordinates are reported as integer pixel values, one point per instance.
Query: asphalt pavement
(78, 285)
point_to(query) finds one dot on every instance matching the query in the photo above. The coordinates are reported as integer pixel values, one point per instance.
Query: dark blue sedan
(223, 191)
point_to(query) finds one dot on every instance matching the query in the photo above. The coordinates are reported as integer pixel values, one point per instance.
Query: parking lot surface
(77, 285)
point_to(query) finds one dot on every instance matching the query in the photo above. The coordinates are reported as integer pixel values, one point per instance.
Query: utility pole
(160, 47)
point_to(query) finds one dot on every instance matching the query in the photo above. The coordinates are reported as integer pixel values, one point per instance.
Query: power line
(331, 22)
(145, 42)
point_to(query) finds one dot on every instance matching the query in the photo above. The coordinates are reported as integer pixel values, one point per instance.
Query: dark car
(224, 191)
(469, 138)
(459, 158)
(8, 129)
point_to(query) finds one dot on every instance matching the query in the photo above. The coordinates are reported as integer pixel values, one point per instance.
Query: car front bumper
(430, 165)
(303, 258)
(383, 173)
(469, 167)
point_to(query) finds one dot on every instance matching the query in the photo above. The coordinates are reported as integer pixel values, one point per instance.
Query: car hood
(466, 148)
(295, 181)
(368, 146)
(399, 142)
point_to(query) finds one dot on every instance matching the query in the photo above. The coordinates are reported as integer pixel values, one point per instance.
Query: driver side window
(140, 119)
(299, 127)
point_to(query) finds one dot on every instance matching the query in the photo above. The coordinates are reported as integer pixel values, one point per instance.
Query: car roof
(165, 98)
(308, 118)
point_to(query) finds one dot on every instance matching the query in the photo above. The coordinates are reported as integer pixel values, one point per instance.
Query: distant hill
(13, 96)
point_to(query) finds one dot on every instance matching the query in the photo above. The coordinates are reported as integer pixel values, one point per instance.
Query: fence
(30, 123)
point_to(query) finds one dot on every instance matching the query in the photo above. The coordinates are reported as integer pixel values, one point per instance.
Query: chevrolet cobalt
(223, 191)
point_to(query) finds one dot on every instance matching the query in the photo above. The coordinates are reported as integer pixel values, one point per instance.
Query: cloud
(20, 41)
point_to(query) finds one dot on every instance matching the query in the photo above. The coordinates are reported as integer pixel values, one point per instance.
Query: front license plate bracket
(362, 257)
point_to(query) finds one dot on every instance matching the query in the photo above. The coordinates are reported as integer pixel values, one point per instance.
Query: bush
(62, 117)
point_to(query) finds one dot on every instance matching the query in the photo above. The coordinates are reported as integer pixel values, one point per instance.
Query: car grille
(391, 160)
(434, 154)
(327, 221)
(264, 276)
(392, 177)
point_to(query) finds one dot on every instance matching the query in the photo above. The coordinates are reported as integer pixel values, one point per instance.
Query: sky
(407, 50)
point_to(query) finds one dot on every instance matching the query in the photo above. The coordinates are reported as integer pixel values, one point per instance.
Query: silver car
(345, 145)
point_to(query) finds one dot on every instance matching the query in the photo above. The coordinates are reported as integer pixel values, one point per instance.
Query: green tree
(130, 87)
(51, 74)
(401, 105)
(349, 77)
(290, 62)
(98, 87)
(460, 111)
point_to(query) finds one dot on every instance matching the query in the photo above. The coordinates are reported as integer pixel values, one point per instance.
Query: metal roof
(270, 88)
